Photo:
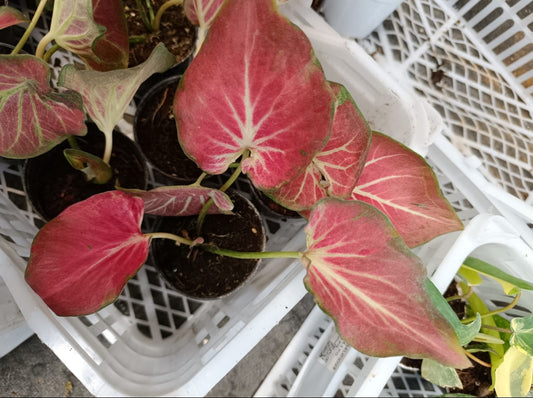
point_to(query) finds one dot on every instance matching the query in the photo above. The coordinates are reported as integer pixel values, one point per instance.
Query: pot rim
(253, 273)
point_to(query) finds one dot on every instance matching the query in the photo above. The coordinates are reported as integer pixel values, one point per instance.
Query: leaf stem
(498, 311)
(156, 22)
(48, 54)
(224, 252)
(108, 146)
(501, 330)
(144, 16)
(476, 359)
(30, 27)
(207, 205)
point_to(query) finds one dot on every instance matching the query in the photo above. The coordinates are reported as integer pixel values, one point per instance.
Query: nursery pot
(199, 274)
(156, 134)
(52, 184)
(176, 32)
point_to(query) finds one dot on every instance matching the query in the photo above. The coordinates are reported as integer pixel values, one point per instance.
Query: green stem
(495, 312)
(225, 252)
(30, 27)
(72, 142)
(156, 22)
(502, 330)
(137, 39)
(200, 179)
(48, 54)
(207, 205)
(144, 16)
(47, 39)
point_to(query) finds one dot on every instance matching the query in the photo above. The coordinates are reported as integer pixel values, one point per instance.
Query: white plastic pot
(357, 18)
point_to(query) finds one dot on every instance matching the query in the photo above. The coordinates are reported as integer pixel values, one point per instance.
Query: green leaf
(465, 333)
(444, 376)
(523, 333)
(508, 281)
(513, 376)
(94, 168)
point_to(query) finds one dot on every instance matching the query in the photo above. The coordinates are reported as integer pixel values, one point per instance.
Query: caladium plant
(256, 99)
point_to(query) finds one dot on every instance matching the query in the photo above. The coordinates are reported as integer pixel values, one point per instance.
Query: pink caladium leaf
(364, 276)
(202, 12)
(255, 85)
(111, 50)
(106, 95)
(335, 169)
(73, 26)
(33, 117)
(81, 260)
(182, 200)
(402, 185)
(11, 16)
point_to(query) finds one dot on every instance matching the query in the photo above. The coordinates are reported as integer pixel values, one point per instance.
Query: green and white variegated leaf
(514, 375)
(444, 376)
(11, 16)
(523, 333)
(106, 95)
(73, 26)
(33, 117)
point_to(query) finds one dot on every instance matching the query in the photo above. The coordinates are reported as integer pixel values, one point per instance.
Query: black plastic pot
(52, 184)
(202, 275)
(156, 134)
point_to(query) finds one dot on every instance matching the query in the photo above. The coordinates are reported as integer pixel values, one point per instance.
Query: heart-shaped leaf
(402, 185)
(514, 375)
(33, 117)
(111, 51)
(94, 168)
(255, 85)
(81, 260)
(202, 12)
(365, 277)
(11, 16)
(182, 200)
(335, 169)
(523, 334)
(73, 26)
(106, 95)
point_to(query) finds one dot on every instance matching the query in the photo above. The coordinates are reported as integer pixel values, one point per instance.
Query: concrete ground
(32, 369)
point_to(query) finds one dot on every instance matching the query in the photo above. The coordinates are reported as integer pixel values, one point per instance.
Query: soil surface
(157, 135)
(52, 184)
(176, 32)
(204, 275)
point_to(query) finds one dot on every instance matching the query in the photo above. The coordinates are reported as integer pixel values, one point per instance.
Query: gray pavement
(32, 369)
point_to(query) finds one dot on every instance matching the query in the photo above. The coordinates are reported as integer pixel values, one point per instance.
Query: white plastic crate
(473, 62)
(153, 341)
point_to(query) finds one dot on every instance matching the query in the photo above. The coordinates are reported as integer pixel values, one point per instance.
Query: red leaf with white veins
(11, 16)
(254, 85)
(364, 276)
(81, 260)
(335, 169)
(182, 200)
(402, 185)
(33, 117)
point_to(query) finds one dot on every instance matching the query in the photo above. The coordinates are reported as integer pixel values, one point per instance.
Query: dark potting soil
(52, 184)
(477, 379)
(176, 32)
(157, 135)
(264, 202)
(203, 275)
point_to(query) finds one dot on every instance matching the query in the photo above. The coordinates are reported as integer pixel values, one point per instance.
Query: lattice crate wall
(473, 61)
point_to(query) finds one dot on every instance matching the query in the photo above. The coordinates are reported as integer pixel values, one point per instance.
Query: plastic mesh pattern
(472, 61)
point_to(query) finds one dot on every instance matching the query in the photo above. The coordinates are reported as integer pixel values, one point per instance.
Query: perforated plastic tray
(155, 342)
